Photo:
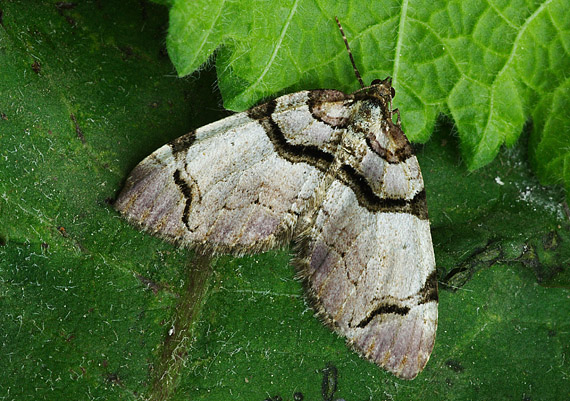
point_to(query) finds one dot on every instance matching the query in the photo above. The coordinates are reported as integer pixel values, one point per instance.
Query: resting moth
(331, 172)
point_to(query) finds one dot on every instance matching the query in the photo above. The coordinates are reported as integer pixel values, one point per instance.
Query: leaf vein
(276, 47)
(403, 15)
(522, 30)
(503, 17)
(209, 31)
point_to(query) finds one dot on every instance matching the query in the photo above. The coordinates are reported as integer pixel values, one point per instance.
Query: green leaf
(550, 145)
(93, 309)
(487, 65)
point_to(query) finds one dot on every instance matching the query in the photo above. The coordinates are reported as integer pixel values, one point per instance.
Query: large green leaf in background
(488, 65)
(92, 309)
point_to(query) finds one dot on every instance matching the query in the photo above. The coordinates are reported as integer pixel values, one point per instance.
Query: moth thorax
(370, 118)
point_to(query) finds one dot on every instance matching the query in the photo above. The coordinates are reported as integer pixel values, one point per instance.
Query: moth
(330, 171)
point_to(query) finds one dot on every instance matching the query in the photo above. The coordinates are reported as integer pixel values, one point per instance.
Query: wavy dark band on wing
(182, 143)
(428, 292)
(187, 192)
(416, 206)
(322, 160)
(309, 154)
(384, 309)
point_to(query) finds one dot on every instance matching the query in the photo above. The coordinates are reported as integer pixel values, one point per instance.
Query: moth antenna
(349, 53)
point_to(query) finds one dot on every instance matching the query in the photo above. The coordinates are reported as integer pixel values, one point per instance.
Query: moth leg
(398, 120)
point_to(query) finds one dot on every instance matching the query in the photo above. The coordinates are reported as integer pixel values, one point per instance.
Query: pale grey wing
(372, 274)
(237, 185)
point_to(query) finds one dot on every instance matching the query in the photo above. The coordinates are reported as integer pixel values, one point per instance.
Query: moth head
(385, 85)
(380, 91)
